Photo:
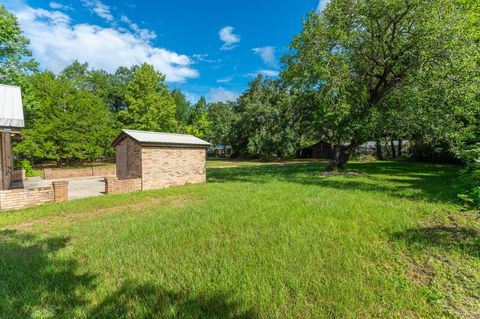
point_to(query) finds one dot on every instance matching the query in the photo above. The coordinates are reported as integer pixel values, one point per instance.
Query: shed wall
(129, 159)
(172, 166)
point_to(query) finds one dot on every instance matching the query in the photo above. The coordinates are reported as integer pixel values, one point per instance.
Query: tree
(15, 61)
(183, 107)
(149, 103)
(198, 123)
(67, 123)
(356, 54)
(117, 86)
(265, 125)
(222, 117)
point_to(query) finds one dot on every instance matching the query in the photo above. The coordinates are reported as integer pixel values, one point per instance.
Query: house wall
(6, 160)
(172, 166)
(128, 159)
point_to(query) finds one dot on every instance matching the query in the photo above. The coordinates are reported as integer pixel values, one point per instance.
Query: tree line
(75, 115)
(358, 71)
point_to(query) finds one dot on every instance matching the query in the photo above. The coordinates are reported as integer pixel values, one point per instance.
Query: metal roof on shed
(11, 110)
(145, 137)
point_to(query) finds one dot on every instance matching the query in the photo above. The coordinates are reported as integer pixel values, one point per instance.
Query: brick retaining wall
(23, 198)
(50, 173)
(113, 185)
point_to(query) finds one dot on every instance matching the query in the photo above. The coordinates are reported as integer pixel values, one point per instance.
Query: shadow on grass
(150, 301)
(38, 282)
(449, 238)
(435, 183)
(34, 283)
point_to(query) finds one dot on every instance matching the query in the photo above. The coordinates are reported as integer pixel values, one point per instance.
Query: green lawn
(263, 241)
(220, 163)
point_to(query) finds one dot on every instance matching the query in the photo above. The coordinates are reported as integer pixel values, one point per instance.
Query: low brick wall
(60, 191)
(23, 198)
(50, 173)
(113, 185)
(18, 175)
(104, 171)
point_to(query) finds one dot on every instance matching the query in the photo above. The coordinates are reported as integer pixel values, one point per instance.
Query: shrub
(471, 176)
(27, 167)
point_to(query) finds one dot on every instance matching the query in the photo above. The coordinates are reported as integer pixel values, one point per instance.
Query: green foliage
(67, 122)
(222, 117)
(25, 165)
(150, 106)
(470, 154)
(183, 107)
(356, 56)
(199, 123)
(15, 61)
(265, 126)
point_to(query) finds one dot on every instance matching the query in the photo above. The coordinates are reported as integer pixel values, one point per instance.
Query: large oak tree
(350, 59)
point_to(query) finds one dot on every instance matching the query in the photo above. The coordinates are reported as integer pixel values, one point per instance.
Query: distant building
(326, 150)
(220, 151)
(11, 122)
(319, 150)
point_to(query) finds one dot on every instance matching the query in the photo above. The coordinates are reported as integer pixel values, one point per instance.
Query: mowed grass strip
(262, 241)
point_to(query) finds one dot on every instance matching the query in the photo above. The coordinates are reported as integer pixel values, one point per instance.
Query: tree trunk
(387, 148)
(378, 150)
(392, 144)
(342, 155)
(399, 152)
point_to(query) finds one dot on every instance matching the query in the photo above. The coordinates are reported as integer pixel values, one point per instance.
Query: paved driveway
(78, 187)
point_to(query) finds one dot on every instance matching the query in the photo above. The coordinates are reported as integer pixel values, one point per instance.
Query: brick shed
(159, 160)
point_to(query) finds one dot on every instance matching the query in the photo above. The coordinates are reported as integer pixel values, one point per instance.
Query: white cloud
(56, 42)
(191, 97)
(225, 80)
(59, 6)
(321, 5)
(268, 55)
(99, 8)
(229, 38)
(145, 34)
(204, 58)
(221, 95)
(270, 73)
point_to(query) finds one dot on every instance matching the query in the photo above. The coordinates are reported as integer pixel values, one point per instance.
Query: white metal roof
(11, 110)
(164, 138)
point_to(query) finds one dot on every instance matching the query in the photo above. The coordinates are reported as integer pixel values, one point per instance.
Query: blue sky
(211, 48)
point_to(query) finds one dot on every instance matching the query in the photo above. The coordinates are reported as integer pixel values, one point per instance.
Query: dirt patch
(441, 257)
(341, 174)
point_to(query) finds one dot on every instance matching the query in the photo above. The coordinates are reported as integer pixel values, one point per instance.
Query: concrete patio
(78, 187)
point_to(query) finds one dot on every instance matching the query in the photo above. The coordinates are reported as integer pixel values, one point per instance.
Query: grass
(262, 241)
(221, 163)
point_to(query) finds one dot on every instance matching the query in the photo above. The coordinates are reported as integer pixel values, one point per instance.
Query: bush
(471, 176)
(26, 166)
